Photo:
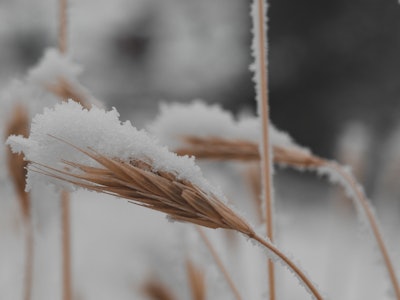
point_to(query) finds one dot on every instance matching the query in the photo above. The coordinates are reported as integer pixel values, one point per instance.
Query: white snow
(103, 132)
(205, 120)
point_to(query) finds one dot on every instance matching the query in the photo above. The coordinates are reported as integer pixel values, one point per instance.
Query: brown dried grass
(156, 290)
(65, 90)
(196, 281)
(219, 263)
(18, 125)
(216, 148)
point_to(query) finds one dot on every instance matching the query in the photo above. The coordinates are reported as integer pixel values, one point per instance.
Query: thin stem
(372, 220)
(29, 252)
(310, 286)
(266, 148)
(219, 263)
(65, 209)
(62, 26)
(66, 245)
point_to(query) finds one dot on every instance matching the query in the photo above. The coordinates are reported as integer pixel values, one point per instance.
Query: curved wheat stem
(294, 157)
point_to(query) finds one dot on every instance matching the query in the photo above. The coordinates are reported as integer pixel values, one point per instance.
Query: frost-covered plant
(98, 152)
(225, 139)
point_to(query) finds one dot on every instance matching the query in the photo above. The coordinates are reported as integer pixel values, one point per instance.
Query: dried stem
(266, 147)
(219, 263)
(310, 286)
(196, 281)
(19, 125)
(66, 245)
(29, 259)
(65, 209)
(372, 221)
(65, 90)
(62, 26)
(137, 181)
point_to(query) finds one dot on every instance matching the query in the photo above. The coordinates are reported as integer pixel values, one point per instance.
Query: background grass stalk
(266, 147)
(66, 245)
(219, 263)
(19, 125)
(373, 223)
(65, 205)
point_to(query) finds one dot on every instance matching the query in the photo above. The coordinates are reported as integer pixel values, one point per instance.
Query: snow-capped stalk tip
(94, 150)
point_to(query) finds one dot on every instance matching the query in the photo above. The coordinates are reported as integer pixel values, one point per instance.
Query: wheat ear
(163, 191)
(19, 125)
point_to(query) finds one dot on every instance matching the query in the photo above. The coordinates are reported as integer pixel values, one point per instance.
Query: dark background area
(330, 62)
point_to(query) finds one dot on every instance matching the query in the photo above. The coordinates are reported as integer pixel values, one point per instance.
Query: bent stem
(372, 221)
(308, 284)
(219, 263)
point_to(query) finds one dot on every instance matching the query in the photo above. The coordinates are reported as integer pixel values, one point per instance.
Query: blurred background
(334, 66)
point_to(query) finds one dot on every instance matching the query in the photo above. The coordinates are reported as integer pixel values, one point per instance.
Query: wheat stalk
(294, 157)
(65, 201)
(163, 191)
(65, 90)
(262, 92)
(196, 281)
(19, 125)
(219, 263)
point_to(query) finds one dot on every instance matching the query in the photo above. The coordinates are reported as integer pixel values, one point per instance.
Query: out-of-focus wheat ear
(219, 263)
(65, 90)
(19, 125)
(156, 290)
(218, 148)
(196, 280)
